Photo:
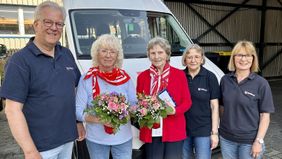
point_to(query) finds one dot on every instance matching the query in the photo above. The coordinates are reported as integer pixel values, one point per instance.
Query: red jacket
(174, 126)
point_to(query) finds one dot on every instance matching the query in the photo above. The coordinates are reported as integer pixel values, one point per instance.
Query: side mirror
(3, 50)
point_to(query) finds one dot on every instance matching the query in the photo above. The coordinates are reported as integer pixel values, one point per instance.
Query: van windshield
(133, 28)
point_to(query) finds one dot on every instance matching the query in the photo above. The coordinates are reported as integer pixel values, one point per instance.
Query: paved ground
(274, 136)
(8, 147)
(10, 150)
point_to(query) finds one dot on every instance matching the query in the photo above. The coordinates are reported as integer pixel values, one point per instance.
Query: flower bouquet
(148, 111)
(110, 108)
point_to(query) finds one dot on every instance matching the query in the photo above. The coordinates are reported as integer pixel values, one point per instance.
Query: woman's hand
(81, 131)
(92, 118)
(214, 141)
(108, 124)
(173, 110)
(256, 149)
(172, 107)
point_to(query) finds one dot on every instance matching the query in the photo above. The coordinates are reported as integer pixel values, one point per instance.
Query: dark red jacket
(174, 126)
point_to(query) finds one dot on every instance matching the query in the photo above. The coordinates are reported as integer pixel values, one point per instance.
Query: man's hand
(32, 155)
(19, 129)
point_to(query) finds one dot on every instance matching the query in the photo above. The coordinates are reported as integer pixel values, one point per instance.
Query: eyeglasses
(247, 56)
(197, 58)
(105, 51)
(49, 23)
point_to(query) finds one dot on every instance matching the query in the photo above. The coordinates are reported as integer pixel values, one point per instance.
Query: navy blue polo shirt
(46, 87)
(203, 88)
(243, 102)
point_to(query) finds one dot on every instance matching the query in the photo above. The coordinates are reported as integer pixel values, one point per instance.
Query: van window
(133, 28)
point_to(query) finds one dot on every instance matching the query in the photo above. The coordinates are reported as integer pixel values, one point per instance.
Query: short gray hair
(163, 43)
(47, 4)
(107, 41)
(197, 47)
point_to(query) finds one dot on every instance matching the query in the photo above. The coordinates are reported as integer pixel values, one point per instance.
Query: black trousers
(163, 150)
(80, 150)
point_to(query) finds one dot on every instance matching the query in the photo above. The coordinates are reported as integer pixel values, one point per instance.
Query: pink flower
(133, 108)
(113, 106)
(103, 97)
(156, 106)
(123, 106)
(115, 99)
(144, 103)
(143, 111)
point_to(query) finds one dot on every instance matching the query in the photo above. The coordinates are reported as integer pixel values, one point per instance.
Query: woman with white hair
(105, 76)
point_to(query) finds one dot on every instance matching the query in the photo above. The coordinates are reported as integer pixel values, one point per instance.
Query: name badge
(249, 93)
(202, 89)
(69, 68)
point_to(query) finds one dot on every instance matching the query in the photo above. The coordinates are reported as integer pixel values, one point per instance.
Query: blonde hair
(47, 4)
(250, 49)
(107, 41)
(198, 48)
(163, 43)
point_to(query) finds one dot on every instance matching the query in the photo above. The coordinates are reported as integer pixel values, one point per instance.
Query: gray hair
(163, 43)
(197, 47)
(47, 4)
(107, 41)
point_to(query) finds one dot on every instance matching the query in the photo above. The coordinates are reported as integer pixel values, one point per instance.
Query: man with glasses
(39, 88)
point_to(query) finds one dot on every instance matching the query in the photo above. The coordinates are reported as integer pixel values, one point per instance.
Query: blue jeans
(62, 152)
(99, 151)
(197, 147)
(234, 150)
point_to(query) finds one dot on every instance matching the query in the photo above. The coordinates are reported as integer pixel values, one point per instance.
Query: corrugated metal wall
(14, 42)
(243, 24)
(273, 33)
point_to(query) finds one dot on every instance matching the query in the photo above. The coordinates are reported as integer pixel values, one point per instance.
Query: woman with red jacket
(165, 142)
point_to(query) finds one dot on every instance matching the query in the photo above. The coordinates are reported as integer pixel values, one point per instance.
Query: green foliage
(2, 64)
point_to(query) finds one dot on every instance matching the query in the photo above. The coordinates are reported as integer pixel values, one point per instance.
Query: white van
(134, 22)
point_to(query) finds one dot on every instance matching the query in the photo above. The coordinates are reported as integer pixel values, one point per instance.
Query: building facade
(16, 19)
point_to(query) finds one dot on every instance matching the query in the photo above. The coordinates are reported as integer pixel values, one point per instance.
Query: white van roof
(146, 5)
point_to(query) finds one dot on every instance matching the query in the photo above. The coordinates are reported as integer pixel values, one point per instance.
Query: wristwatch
(214, 133)
(260, 140)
